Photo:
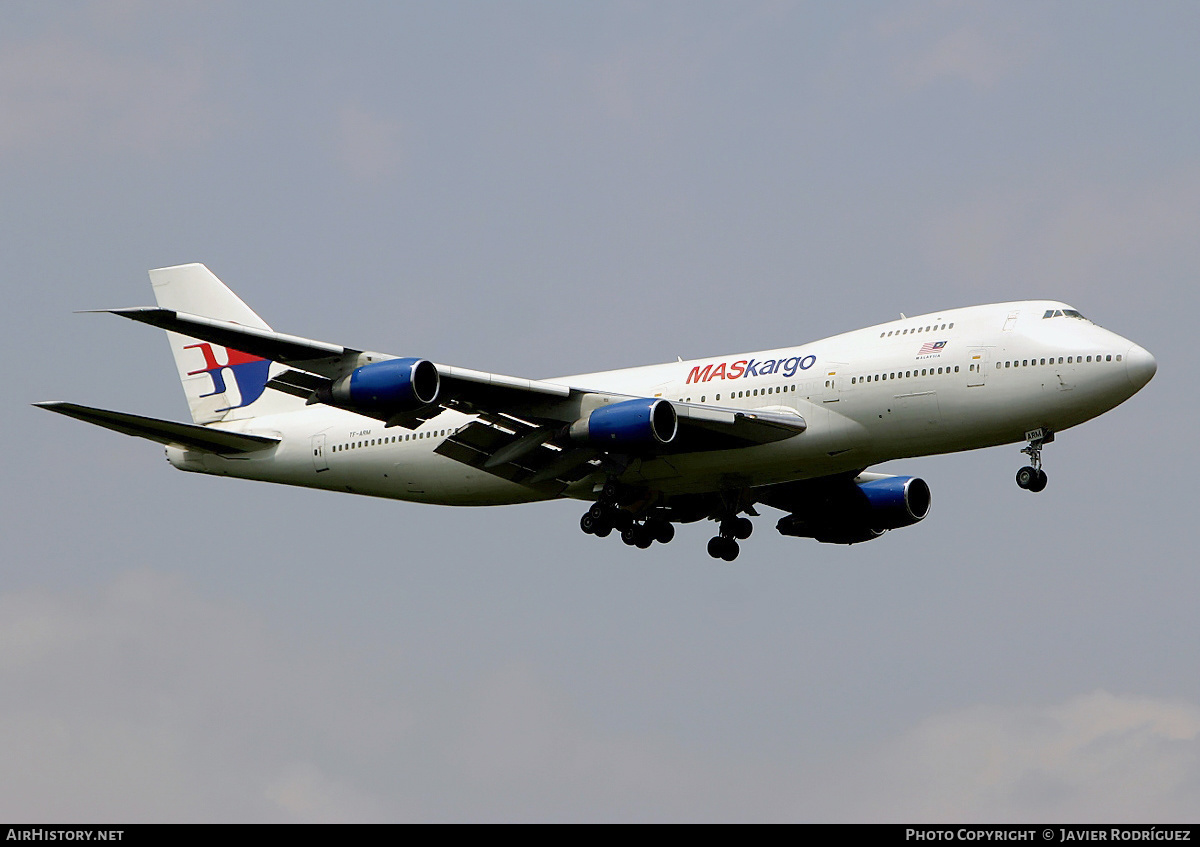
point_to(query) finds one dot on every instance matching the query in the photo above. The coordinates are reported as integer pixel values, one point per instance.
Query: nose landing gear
(1032, 477)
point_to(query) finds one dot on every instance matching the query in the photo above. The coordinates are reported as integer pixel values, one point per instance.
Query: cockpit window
(1060, 313)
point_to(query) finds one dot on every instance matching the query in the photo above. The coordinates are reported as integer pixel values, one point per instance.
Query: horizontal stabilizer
(164, 432)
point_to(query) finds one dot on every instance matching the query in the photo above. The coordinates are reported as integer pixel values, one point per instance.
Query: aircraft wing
(537, 456)
(323, 360)
(520, 420)
(318, 357)
(194, 437)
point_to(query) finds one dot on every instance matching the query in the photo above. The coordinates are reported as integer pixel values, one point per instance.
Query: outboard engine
(632, 424)
(389, 387)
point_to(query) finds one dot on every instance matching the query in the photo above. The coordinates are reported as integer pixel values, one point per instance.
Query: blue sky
(539, 189)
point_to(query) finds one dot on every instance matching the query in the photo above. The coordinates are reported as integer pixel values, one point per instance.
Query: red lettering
(698, 375)
(719, 372)
(736, 369)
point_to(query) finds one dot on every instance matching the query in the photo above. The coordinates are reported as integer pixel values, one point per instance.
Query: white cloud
(143, 702)
(64, 93)
(526, 748)
(641, 85)
(1050, 230)
(308, 795)
(931, 41)
(1097, 757)
(964, 54)
(368, 145)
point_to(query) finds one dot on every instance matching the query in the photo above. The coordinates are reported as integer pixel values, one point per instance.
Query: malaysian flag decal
(931, 347)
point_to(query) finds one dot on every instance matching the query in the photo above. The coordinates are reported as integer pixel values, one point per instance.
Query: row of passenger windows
(737, 395)
(1070, 360)
(394, 439)
(929, 328)
(904, 374)
(1012, 363)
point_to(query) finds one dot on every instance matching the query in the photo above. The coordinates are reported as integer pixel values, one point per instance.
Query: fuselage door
(831, 391)
(977, 362)
(318, 453)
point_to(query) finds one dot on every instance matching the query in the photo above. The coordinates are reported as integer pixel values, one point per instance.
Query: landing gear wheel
(598, 510)
(1032, 477)
(742, 527)
(588, 523)
(638, 535)
(664, 531)
(720, 547)
(603, 529)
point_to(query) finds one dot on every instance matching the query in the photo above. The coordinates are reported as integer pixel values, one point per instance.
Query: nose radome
(1140, 366)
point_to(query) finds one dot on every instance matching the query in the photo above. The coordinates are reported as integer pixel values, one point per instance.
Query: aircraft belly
(428, 478)
(417, 476)
(450, 483)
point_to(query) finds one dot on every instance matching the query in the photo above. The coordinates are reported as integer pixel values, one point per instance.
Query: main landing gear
(643, 518)
(605, 515)
(724, 545)
(1032, 477)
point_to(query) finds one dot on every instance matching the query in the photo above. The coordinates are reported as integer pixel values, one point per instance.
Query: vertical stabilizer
(221, 384)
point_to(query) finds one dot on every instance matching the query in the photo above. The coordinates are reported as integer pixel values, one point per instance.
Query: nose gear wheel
(1032, 477)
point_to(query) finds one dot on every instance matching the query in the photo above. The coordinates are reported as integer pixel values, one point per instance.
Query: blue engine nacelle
(632, 424)
(395, 385)
(895, 501)
(862, 512)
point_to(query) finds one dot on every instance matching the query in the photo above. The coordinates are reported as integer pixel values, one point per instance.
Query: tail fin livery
(221, 384)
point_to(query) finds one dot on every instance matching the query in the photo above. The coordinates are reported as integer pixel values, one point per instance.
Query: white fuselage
(939, 383)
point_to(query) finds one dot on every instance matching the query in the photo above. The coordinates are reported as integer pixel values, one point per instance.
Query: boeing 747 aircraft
(793, 429)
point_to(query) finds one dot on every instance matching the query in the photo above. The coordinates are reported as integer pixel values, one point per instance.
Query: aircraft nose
(1139, 366)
